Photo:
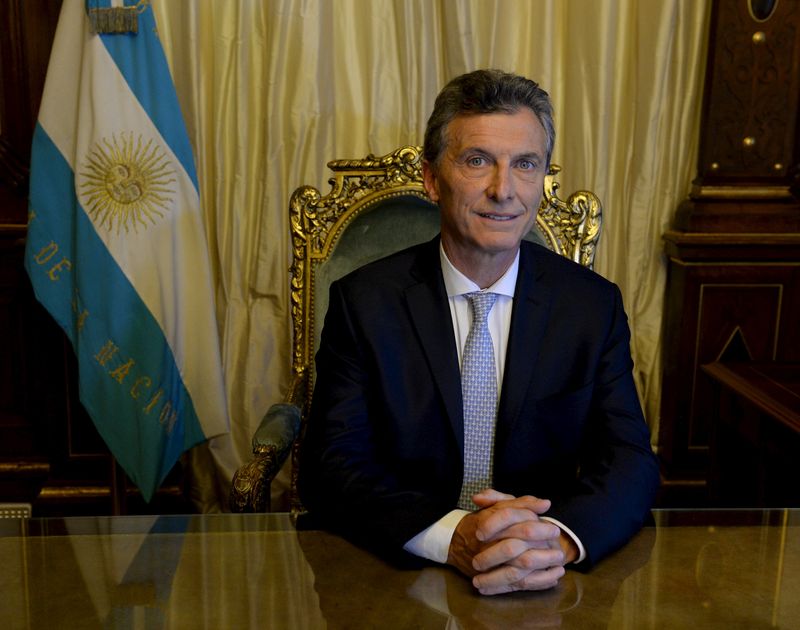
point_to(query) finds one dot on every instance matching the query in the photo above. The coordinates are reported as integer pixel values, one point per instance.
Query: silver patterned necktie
(479, 393)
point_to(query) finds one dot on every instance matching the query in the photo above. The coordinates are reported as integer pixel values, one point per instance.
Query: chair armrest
(277, 430)
(272, 443)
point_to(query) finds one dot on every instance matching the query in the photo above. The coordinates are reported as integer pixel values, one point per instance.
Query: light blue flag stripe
(145, 435)
(145, 68)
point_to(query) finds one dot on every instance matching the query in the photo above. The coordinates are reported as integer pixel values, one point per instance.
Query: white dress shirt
(433, 542)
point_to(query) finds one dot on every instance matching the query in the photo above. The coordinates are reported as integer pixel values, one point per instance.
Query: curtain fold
(273, 89)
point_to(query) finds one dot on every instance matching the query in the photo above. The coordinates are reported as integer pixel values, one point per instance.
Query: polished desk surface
(691, 570)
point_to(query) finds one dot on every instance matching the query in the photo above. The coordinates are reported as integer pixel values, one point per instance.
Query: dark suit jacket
(382, 454)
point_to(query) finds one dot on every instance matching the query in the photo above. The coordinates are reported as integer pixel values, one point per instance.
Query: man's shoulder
(547, 264)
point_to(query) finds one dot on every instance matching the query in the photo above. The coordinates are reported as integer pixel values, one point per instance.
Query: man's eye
(526, 165)
(476, 160)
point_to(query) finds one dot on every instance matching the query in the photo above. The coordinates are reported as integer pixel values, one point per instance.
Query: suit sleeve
(346, 480)
(618, 474)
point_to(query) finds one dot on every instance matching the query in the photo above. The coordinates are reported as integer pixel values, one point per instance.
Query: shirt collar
(456, 283)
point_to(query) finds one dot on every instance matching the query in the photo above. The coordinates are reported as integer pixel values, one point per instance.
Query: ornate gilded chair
(376, 206)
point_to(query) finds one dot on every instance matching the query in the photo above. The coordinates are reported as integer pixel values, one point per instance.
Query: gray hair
(486, 92)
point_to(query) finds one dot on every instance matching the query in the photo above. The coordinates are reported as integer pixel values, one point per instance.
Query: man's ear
(429, 181)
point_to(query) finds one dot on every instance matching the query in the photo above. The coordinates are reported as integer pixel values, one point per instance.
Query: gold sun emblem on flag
(126, 183)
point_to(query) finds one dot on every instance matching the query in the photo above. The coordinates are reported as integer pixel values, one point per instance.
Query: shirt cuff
(433, 543)
(571, 534)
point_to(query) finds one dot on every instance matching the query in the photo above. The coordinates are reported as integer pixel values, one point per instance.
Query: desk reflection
(354, 585)
(693, 569)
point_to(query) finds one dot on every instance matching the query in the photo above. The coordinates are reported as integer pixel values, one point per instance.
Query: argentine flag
(116, 247)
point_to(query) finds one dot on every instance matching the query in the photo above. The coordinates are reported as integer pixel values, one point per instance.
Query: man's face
(488, 183)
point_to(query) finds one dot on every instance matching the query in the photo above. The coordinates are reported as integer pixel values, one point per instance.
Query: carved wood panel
(718, 310)
(735, 321)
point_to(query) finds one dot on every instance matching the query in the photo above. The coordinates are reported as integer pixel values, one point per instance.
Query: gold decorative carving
(300, 396)
(24, 468)
(73, 492)
(740, 191)
(571, 229)
(250, 487)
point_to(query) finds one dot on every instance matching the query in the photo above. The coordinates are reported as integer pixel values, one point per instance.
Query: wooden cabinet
(731, 297)
(733, 287)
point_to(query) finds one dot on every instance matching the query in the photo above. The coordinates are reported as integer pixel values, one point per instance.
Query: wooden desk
(755, 444)
(692, 569)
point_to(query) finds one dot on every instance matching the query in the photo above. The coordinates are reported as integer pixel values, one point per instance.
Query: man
(529, 422)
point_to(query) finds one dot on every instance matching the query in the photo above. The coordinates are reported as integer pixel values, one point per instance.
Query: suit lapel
(428, 308)
(529, 319)
(430, 314)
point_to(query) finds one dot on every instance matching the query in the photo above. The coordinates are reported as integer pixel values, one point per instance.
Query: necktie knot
(481, 303)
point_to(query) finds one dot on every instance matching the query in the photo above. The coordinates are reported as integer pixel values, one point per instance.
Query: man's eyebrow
(473, 149)
(533, 156)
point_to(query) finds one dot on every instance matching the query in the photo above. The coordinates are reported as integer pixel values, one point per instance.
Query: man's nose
(501, 185)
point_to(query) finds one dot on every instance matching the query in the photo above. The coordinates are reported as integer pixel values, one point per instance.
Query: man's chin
(499, 244)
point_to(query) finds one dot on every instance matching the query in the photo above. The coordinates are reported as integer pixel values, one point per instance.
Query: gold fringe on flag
(114, 20)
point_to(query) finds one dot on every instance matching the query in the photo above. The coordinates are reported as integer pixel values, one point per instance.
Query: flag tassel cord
(116, 20)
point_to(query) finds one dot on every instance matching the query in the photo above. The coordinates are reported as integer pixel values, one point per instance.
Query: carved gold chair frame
(570, 228)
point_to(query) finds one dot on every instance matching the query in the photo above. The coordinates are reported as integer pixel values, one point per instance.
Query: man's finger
(518, 553)
(496, 518)
(538, 559)
(498, 554)
(490, 496)
(538, 580)
(507, 578)
(532, 531)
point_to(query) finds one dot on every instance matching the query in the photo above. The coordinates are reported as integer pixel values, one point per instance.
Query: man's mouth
(497, 217)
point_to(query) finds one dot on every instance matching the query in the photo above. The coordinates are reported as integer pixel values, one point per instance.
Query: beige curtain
(272, 89)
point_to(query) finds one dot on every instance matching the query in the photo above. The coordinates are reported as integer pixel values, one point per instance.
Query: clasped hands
(504, 546)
